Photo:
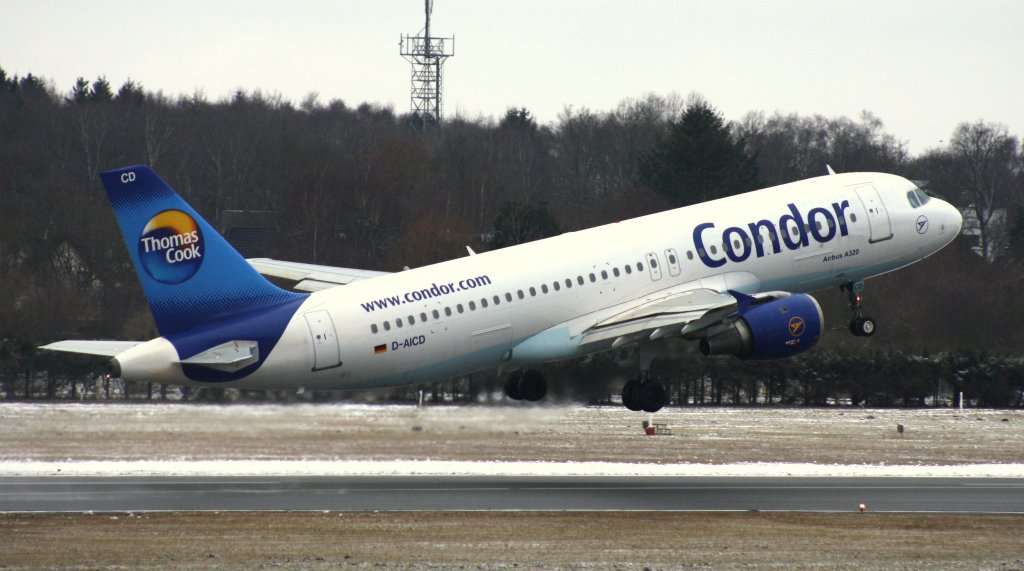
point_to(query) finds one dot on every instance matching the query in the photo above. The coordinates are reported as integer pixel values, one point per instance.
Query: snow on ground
(539, 469)
(345, 439)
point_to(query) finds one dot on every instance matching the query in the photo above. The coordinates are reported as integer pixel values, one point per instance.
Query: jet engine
(772, 330)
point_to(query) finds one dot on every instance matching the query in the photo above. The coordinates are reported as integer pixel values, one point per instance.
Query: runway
(472, 493)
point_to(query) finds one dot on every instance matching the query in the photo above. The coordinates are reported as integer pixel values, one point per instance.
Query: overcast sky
(921, 66)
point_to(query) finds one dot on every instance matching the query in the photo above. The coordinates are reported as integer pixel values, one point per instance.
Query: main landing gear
(648, 396)
(526, 384)
(860, 325)
(644, 393)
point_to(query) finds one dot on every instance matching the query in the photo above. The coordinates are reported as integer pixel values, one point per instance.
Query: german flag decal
(380, 349)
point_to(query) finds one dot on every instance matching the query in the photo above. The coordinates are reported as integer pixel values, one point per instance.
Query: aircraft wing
(100, 348)
(682, 312)
(311, 277)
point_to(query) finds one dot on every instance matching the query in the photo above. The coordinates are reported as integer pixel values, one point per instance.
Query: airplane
(732, 274)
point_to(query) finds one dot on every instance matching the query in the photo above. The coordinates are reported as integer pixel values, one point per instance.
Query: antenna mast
(426, 54)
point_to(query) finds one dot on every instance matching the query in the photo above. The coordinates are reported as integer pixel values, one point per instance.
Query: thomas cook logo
(797, 326)
(171, 247)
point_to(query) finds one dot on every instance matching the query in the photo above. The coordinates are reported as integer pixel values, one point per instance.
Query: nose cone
(949, 219)
(952, 219)
(957, 219)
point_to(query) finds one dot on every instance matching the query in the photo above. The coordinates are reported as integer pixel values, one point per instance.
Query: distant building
(998, 232)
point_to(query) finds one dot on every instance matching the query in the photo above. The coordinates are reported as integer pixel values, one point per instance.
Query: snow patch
(457, 468)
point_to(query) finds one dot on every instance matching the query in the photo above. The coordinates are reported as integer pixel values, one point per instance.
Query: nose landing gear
(861, 325)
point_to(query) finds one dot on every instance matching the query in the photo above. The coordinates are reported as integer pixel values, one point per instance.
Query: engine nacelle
(773, 330)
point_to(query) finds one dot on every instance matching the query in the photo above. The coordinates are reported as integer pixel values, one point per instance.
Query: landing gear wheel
(862, 326)
(532, 385)
(512, 388)
(630, 392)
(654, 396)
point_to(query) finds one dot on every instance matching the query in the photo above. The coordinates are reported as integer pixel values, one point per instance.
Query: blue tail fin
(189, 273)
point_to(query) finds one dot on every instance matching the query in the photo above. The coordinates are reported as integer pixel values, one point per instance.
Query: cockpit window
(917, 197)
(912, 197)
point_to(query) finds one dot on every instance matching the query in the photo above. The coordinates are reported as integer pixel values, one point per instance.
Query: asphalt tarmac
(486, 493)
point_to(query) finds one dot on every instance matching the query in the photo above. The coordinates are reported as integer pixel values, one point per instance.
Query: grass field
(525, 540)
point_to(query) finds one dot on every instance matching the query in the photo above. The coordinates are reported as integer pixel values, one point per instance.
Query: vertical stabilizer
(190, 275)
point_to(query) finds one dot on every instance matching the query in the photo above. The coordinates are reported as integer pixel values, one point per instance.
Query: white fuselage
(472, 313)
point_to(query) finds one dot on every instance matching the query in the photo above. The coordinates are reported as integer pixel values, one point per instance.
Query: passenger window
(579, 280)
(533, 292)
(411, 320)
(483, 302)
(568, 283)
(593, 278)
(398, 322)
(448, 312)
(689, 254)
(604, 275)
(615, 272)
(497, 300)
(387, 326)
(423, 317)
(735, 245)
(520, 294)
(544, 288)
(556, 285)
(639, 267)
(714, 250)
(671, 258)
(436, 314)
(373, 328)
(628, 268)
(508, 296)
(472, 306)
(459, 308)
(853, 217)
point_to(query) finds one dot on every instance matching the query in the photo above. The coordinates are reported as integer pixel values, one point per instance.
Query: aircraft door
(878, 216)
(326, 353)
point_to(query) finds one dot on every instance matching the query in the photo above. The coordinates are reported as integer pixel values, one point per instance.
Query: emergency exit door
(326, 353)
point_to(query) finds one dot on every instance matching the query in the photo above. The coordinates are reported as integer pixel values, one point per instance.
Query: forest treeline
(360, 186)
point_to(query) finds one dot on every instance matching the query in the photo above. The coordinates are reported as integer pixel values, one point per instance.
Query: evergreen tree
(518, 223)
(699, 160)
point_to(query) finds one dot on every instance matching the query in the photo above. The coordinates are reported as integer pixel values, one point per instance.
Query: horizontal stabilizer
(312, 277)
(228, 356)
(100, 348)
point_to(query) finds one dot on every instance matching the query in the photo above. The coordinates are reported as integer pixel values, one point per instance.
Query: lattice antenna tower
(427, 55)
